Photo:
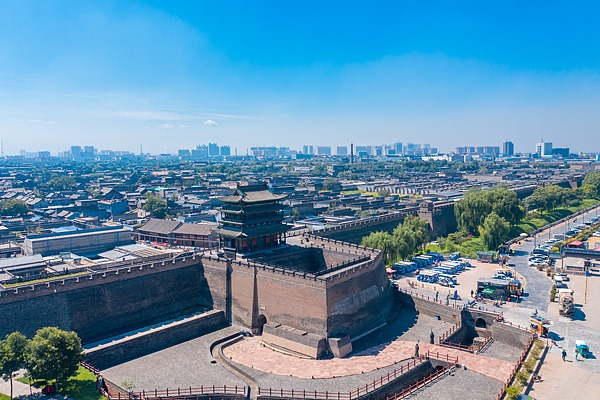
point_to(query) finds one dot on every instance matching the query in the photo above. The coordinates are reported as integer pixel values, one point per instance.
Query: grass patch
(433, 247)
(82, 386)
(49, 279)
(536, 221)
(4, 397)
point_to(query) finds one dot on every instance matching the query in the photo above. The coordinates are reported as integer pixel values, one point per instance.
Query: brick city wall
(359, 298)
(354, 232)
(120, 351)
(514, 337)
(109, 303)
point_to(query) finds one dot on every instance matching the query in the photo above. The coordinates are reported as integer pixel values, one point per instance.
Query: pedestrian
(576, 356)
(472, 293)
(564, 354)
(437, 295)
(417, 349)
(431, 338)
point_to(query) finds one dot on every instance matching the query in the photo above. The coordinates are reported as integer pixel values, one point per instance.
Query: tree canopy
(12, 356)
(62, 183)
(477, 204)
(494, 231)
(404, 240)
(157, 206)
(593, 180)
(550, 197)
(13, 208)
(53, 354)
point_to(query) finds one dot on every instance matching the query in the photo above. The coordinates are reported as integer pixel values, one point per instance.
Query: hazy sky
(170, 75)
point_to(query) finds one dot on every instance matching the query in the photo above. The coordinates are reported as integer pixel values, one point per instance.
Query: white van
(558, 281)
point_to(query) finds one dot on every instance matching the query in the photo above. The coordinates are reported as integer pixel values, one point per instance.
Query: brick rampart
(138, 345)
(100, 305)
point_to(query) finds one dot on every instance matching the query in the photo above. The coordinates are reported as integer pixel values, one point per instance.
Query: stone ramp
(251, 353)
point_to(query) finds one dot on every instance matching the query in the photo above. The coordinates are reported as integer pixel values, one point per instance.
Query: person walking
(564, 354)
(417, 349)
(431, 338)
(576, 356)
(437, 295)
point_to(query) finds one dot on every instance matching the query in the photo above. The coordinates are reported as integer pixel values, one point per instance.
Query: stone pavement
(251, 352)
(19, 389)
(566, 380)
(183, 365)
(452, 387)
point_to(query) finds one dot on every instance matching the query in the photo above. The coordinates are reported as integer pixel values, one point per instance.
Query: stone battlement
(113, 273)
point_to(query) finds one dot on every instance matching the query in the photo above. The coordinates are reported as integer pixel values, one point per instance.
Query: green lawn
(540, 220)
(4, 397)
(82, 386)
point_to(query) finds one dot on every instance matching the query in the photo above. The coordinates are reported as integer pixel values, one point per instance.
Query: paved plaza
(183, 365)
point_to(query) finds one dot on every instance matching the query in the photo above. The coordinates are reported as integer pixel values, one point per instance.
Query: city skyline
(172, 75)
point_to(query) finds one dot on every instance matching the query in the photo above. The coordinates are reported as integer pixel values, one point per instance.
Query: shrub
(529, 364)
(522, 377)
(553, 293)
(513, 392)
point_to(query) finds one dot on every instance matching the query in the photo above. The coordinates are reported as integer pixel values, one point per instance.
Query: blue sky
(171, 75)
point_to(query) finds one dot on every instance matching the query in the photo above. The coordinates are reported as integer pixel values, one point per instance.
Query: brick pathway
(251, 353)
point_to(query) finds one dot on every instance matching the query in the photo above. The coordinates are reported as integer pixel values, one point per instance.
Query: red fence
(420, 384)
(516, 368)
(363, 390)
(118, 393)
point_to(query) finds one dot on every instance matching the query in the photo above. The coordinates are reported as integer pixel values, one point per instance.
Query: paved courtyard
(183, 365)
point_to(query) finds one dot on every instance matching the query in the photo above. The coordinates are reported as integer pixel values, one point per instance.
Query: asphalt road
(537, 284)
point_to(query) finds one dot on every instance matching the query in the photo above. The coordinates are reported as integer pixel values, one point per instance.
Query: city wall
(354, 232)
(104, 304)
(359, 298)
(116, 352)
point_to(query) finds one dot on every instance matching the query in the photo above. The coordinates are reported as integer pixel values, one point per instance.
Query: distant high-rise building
(225, 150)
(76, 151)
(563, 152)
(201, 151)
(508, 148)
(213, 150)
(543, 149)
(367, 150)
(183, 153)
(491, 150)
(324, 150)
(89, 151)
(342, 150)
(398, 148)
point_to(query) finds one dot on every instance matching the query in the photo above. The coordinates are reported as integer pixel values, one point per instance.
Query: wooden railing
(421, 383)
(362, 390)
(516, 368)
(119, 393)
(215, 389)
(471, 348)
(351, 395)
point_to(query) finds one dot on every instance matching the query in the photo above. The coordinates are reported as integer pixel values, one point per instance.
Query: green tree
(53, 355)
(157, 206)
(494, 231)
(477, 204)
(12, 356)
(62, 183)
(13, 207)
(332, 184)
(593, 180)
